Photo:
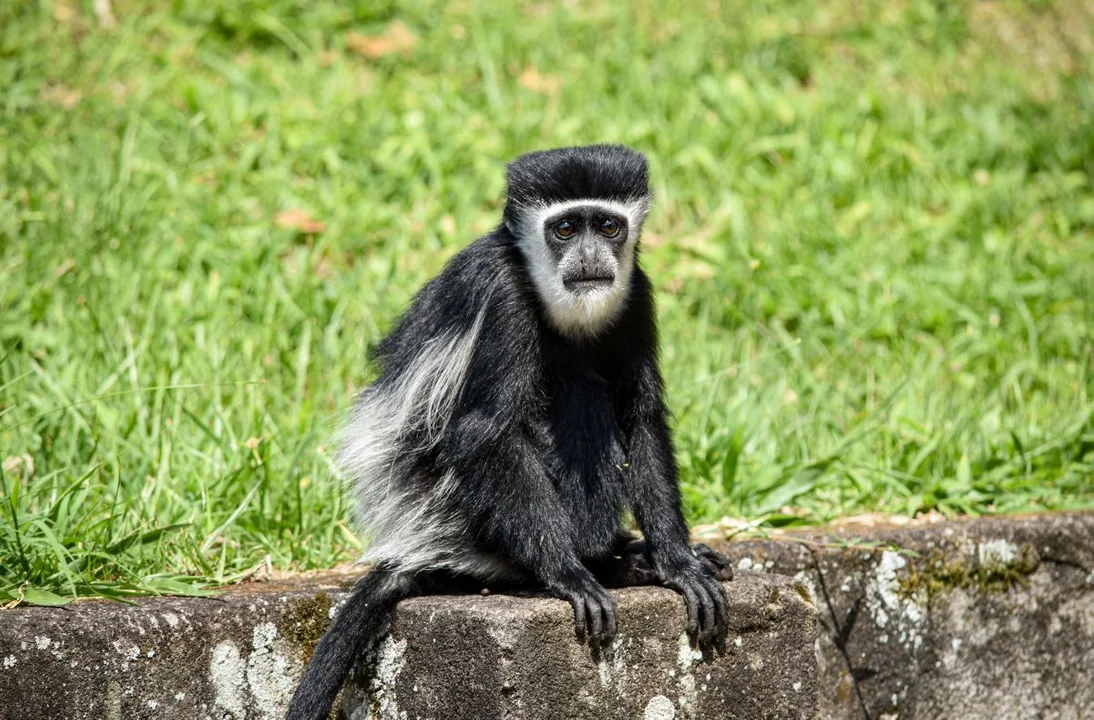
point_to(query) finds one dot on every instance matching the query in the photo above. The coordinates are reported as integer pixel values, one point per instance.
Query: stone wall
(988, 618)
(447, 658)
(985, 618)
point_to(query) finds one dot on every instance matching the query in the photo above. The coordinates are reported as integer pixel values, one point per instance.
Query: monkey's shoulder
(480, 290)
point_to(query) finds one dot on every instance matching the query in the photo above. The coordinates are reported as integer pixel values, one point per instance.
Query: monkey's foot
(715, 562)
(632, 565)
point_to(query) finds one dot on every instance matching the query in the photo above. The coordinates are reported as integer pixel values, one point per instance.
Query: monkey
(517, 416)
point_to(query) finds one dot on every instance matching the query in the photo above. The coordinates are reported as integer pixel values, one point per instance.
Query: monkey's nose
(588, 256)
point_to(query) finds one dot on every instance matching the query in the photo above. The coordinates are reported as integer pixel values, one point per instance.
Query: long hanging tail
(365, 617)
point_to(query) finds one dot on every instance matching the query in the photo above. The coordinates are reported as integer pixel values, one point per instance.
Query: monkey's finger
(709, 556)
(611, 617)
(578, 603)
(715, 588)
(713, 569)
(719, 597)
(692, 604)
(718, 602)
(715, 562)
(706, 613)
(595, 623)
(701, 549)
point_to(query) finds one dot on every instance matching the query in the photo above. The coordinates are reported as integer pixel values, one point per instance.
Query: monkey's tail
(365, 617)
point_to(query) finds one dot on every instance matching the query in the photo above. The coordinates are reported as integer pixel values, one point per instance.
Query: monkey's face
(580, 256)
(586, 244)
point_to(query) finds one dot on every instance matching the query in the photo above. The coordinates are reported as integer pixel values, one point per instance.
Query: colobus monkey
(518, 414)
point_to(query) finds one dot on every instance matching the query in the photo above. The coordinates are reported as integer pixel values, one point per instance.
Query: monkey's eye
(564, 229)
(609, 227)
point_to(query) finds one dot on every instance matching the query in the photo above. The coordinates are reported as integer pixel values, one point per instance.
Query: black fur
(605, 172)
(552, 438)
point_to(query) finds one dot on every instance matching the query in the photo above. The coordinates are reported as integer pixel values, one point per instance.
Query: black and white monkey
(517, 415)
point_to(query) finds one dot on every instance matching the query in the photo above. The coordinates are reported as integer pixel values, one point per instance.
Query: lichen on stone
(895, 612)
(386, 662)
(659, 708)
(269, 673)
(228, 675)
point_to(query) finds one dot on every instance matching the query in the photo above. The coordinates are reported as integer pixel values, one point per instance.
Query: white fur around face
(586, 313)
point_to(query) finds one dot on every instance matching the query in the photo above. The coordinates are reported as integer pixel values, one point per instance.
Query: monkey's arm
(510, 502)
(654, 491)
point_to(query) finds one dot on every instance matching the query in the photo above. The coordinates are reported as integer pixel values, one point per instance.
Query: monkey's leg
(509, 497)
(654, 494)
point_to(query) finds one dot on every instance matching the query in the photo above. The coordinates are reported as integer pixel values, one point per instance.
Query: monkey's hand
(595, 612)
(697, 579)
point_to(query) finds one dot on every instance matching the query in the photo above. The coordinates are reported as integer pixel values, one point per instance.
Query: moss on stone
(943, 570)
(803, 591)
(306, 621)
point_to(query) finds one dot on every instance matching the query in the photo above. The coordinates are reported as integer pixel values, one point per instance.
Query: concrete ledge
(986, 618)
(240, 657)
(989, 618)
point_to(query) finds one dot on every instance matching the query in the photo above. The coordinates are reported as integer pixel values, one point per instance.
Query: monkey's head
(576, 214)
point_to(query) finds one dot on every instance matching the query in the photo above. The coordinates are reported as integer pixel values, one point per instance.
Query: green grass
(873, 240)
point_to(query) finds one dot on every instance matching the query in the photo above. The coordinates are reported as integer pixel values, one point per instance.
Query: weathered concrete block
(987, 618)
(448, 657)
(505, 657)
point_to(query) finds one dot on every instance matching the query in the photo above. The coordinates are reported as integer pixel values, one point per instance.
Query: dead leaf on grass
(397, 39)
(297, 219)
(61, 96)
(105, 14)
(532, 79)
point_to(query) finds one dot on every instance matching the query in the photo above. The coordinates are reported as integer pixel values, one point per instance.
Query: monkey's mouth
(589, 284)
